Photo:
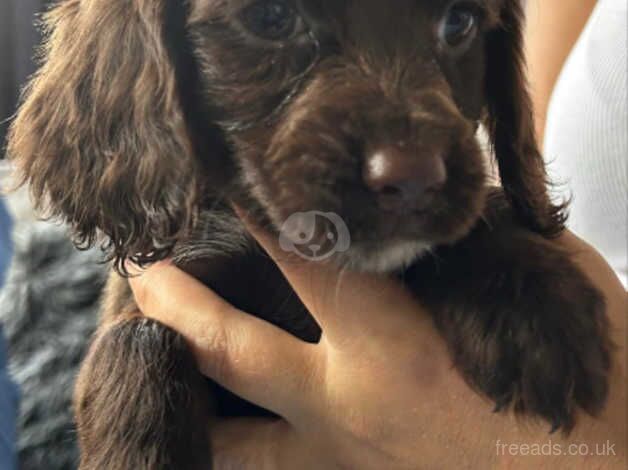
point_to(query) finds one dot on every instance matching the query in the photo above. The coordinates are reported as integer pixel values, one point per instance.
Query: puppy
(149, 117)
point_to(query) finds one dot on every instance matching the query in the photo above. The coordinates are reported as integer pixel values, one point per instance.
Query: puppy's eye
(459, 26)
(270, 19)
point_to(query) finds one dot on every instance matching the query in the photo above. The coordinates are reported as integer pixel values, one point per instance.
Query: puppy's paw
(524, 325)
(140, 402)
(544, 354)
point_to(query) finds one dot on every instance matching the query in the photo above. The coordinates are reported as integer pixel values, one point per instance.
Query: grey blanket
(48, 309)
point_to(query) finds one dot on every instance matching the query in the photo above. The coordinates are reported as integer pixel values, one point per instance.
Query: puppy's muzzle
(409, 168)
(403, 183)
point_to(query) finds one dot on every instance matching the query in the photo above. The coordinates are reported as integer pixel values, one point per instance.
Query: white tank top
(586, 144)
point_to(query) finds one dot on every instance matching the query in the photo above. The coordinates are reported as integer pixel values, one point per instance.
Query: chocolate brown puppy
(148, 118)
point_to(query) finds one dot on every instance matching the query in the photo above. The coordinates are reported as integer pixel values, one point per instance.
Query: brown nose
(403, 181)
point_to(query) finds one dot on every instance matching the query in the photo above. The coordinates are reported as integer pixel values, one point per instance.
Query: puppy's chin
(384, 257)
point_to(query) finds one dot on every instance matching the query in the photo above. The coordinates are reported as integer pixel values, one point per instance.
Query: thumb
(250, 357)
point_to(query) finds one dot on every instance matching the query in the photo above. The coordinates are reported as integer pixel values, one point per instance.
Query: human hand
(378, 390)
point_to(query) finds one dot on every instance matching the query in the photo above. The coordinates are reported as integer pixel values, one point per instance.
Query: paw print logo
(314, 235)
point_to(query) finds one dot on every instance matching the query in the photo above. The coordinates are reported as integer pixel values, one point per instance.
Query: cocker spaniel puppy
(149, 118)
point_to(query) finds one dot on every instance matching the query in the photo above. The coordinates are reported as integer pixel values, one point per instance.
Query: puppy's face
(360, 108)
(358, 111)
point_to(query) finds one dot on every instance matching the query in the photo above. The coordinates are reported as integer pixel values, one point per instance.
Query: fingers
(342, 300)
(246, 355)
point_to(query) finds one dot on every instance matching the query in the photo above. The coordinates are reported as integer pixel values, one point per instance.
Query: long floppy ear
(102, 136)
(510, 122)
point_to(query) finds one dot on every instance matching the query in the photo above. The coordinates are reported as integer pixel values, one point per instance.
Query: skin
(553, 27)
(342, 405)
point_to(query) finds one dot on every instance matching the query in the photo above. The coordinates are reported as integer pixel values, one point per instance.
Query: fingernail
(131, 268)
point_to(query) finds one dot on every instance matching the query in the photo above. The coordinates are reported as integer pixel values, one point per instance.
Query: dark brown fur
(149, 116)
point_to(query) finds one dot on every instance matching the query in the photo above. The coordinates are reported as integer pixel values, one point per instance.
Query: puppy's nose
(403, 181)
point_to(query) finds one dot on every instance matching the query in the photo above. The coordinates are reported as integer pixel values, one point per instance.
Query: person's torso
(587, 135)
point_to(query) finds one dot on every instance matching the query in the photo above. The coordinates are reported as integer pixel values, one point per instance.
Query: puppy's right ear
(101, 136)
(510, 123)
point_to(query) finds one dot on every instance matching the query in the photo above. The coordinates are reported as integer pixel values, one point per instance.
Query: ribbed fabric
(587, 134)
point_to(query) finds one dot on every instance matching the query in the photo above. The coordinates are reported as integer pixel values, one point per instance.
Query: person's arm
(8, 392)
(553, 28)
(8, 410)
(378, 391)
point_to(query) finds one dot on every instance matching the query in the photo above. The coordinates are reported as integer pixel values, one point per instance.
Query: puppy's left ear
(510, 122)
(109, 136)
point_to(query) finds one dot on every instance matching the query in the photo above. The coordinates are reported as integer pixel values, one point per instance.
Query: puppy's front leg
(525, 326)
(140, 401)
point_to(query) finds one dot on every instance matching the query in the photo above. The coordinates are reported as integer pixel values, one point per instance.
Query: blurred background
(18, 36)
(49, 291)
